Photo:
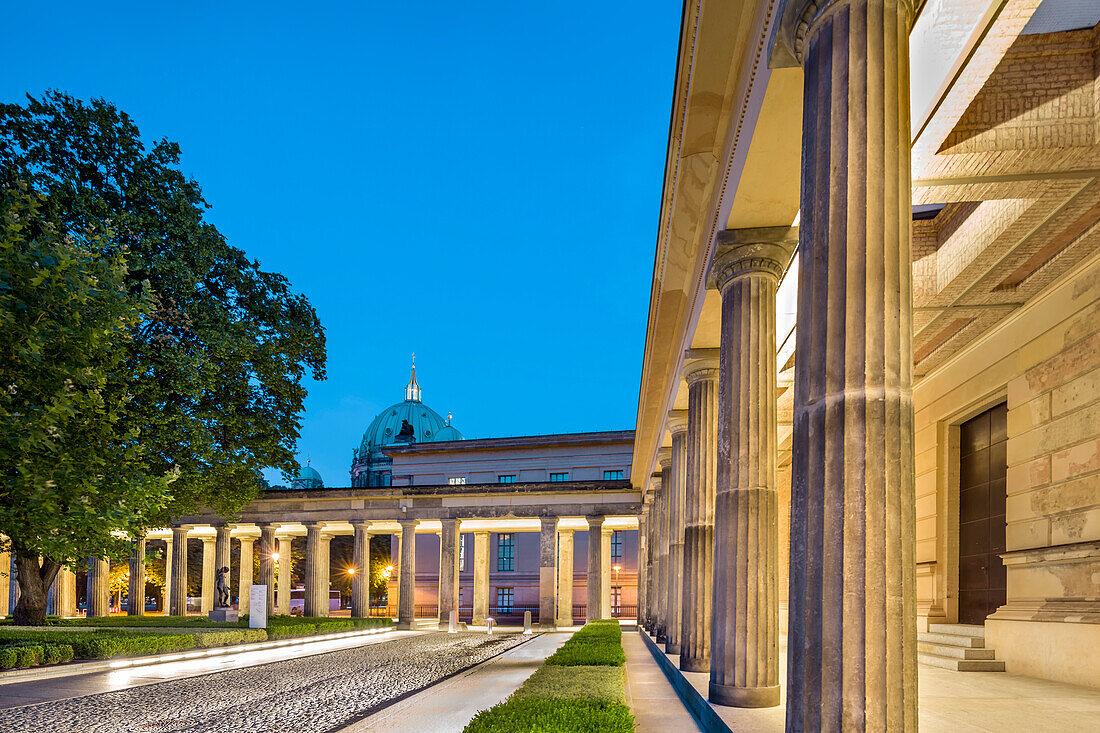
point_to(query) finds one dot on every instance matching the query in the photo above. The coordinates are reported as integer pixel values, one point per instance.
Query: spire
(412, 389)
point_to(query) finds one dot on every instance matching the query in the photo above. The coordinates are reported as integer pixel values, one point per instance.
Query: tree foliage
(208, 379)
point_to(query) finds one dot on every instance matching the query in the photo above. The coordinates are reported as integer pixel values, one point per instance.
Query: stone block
(1030, 414)
(1068, 496)
(1028, 476)
(1081, 391)
(1074, 461)
(926, 506)
(223, 615)
(1055, 435)
(1026, 534)
(1082, 526)
(1046, 649)
(1077, 358)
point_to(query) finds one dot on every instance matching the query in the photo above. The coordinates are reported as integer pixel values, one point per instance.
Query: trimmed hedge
(569, 697)
(17, 656)
(289, 627)
(141, 622)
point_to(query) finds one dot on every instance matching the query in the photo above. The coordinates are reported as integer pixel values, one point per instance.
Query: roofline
(606, 436)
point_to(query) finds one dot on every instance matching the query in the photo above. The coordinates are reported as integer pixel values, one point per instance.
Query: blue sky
(478, 183)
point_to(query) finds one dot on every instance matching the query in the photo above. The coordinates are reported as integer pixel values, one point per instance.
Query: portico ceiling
(1015, 159)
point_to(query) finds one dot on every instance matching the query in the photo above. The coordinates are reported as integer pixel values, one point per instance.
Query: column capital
(408, 524)
(677, 422)
(741, 252)
(548, 522)
(698, 370)
(797, 19)
(664, 459)
(595, 521)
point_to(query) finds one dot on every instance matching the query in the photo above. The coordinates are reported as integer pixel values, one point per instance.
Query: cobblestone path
(316, 693)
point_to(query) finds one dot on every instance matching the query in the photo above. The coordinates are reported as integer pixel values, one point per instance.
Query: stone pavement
(656, 707)
(952, 702)
(315, 693)
(448, 706)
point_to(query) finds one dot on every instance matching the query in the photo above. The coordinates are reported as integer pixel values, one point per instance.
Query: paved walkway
(655, 705)
(449, 705)
(952, 702)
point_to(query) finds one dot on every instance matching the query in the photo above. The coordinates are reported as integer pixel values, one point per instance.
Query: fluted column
(5, 582)
(269, 548)
(406, 609)
(177, 605)
(664, 458)
(166, 603)
(676, 490)
(565, 578)
(594, 576)
(207, 575)
(360, 581)
(654, 555)
(286, 566)
(481, 579)
(317, 570)
(605, 572)
(99, 596)
(244, 575)
(548, 551)
(643, 561)
(221, 558)
(135, 594)
(448, 572)
(852, 627)
(744, 668)
(65, 583)
(700, 479)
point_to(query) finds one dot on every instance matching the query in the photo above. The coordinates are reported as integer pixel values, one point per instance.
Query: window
(616, 547)
(506, 598)
(453, 480)
(506, 552)
(507, 478)
(559, 477)
(612, 475)
(462, 553)
(616, 601)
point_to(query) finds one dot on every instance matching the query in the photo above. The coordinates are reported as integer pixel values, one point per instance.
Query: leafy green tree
(214, 370)
(73, 463)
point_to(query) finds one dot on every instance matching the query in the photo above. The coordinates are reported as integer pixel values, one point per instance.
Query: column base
(694, 664)
(484, 620)
(671, 648)
(547, 625)
(744, 697)
(446, 626)
(660, 636)
(563, 622)
(404, 625)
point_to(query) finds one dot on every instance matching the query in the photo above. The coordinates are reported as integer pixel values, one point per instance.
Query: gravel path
(317, 693)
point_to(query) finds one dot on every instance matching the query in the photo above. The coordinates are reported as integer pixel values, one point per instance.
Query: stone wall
(1045, 361)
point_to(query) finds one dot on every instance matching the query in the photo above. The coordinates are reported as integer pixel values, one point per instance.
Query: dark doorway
(983, 464)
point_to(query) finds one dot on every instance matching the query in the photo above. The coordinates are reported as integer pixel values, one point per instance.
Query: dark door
(983, 464)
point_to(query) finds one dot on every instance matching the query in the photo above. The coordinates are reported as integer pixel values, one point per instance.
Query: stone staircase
(957, 646)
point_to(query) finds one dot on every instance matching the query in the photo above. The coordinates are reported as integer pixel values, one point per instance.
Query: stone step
(961, 665)
(956, 652)
(970, 642)
(958, 629)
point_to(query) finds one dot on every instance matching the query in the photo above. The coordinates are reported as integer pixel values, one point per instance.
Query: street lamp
(275, 557)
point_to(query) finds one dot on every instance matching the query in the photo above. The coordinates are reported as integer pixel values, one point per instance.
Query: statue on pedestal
(222, 588)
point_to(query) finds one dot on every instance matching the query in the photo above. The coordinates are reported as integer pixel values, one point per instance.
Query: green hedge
(597, 644)
(288, 627)
(568, 697)
(141, 622)
(17, 656)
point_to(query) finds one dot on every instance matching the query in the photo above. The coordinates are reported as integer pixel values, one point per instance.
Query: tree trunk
(35, 578)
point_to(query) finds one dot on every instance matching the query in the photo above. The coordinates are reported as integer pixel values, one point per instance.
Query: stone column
(594, 576)
(654, 553)
(360, 560)
(268, 549)
(660, 626)
(13, 585)
(605, 572)
(852, 626)
(166, 603)
(99, 594)
(66, 593)
(448, 572)
(5, 582)
(643, 561)
(286, 565)
(744, 652)
(221, 558)
(406, 609)
(177, 604)
(565, 578)
(244, 576)
(207, 575)
(548, 546)
(396, 575)
(676, 495)
(701, 477)
(481, 579)
(317, 570)
(135, 600)
(52, 598)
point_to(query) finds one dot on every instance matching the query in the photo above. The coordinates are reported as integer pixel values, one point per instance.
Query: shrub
(564, 716)
(22, 655)
(230, 637)
(597, 644)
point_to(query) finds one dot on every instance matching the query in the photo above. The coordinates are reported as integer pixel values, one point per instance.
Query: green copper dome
(308, 478)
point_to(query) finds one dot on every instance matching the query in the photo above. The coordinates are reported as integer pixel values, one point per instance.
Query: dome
(308, 478)
(389, 427)
(449, 432)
